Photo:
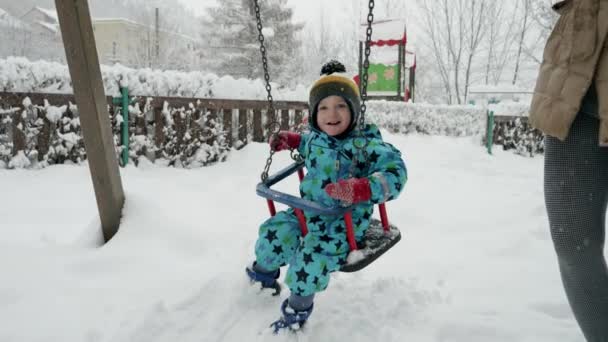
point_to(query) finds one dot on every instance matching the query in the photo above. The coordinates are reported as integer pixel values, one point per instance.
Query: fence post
(125, 125)
(258, 131)
(227, 123)
(243, 127)
(490, 131)
(18, 127)
(284, 119)
(159, 135)
(123, 101)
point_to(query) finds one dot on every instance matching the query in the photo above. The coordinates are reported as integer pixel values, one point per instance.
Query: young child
(328, 152)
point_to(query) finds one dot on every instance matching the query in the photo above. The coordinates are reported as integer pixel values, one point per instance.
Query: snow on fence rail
(44, 129)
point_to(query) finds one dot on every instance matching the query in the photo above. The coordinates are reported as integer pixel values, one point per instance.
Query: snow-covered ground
(476, 262)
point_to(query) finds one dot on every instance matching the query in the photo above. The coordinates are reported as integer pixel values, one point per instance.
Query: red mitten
(350, 191)
(284, 140)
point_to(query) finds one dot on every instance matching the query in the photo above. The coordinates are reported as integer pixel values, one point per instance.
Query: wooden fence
(242, 120)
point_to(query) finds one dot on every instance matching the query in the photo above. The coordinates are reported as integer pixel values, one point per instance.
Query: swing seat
(379, 238)
(376, 242)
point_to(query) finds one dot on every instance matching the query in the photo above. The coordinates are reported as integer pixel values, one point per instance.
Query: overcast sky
(302, 8)
(307, 11)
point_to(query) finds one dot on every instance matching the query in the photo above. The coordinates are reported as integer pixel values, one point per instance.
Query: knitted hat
(333, 81)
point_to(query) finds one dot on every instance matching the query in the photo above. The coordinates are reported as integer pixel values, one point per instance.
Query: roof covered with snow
(384, 30)
(51, 14)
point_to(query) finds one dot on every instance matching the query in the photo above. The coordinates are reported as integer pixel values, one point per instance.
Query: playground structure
(83, 63)
(392, 68)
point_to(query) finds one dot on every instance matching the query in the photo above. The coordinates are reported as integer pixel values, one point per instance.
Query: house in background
(43, 20)
(38, 36)
(133, 44)
(34, 35)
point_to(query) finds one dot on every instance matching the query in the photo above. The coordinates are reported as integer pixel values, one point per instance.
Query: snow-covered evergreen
(234, 48)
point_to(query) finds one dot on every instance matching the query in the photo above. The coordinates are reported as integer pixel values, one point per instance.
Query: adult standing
(571, 107)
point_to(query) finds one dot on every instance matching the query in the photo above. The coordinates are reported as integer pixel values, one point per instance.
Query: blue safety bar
(263, 189)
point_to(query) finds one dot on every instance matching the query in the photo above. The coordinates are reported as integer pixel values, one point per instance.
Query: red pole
(383, 217)
(350, 232)
(271, 208)
(301, 174)
(302, 221)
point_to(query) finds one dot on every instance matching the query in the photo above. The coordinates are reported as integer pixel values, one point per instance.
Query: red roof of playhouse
(386, 35)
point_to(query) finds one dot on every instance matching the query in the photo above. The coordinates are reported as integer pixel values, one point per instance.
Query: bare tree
(543, 18)
(501, 25)
(525, 26)
(454, 31)
(476, 9)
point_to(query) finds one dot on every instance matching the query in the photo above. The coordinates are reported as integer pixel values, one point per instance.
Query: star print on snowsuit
(324, 249)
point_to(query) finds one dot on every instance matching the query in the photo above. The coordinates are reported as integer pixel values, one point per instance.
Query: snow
(51, 27)
(53, 113)
(21, 75)
(19, 161)
(384, 29)
(7, 20)
(51, 14)
(475, 263)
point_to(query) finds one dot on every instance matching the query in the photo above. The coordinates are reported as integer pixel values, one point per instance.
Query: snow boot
(267, 280)
(292, 319)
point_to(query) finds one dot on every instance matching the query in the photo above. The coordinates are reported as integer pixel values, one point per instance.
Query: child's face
(333, 115)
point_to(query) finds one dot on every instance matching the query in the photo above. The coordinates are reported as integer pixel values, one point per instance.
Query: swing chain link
(364, 82)
(364, 77)
(273, 127)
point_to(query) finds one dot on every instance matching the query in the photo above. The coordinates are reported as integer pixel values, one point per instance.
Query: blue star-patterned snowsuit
(325, 248)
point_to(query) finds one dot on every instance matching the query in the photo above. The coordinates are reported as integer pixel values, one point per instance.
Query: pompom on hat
(334, 81)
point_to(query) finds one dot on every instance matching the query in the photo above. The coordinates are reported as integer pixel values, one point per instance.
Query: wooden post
(44, 137)
(227, 123)
(159, 124)
(213, 116)
(285, 120)
(243, 128)
(297, 119)
(258, 131)
(83, 63)
(18, 127)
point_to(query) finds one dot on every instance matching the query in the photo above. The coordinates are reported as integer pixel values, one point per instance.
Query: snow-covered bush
(517, 135)
(401, 117)
(52, 135)
(22, 75)
(193, 138)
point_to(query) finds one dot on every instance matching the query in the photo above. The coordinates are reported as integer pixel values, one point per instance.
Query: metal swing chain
(273, 126)
(364, 81)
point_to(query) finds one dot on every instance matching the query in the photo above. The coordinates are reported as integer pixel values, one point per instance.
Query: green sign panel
(383, 77)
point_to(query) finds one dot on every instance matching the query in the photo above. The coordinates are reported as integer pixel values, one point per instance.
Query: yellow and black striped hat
(334, 81)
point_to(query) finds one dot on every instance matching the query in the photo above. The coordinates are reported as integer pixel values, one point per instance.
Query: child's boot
(292, 319)
(267, 279)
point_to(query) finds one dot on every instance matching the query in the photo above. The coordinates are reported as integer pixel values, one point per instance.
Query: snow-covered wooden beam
(83, 63)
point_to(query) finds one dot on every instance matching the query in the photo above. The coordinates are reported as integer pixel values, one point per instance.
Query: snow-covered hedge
(48, 134)
(400, 117)
(512, 134)
(22, 75)
(512, 131)
(517, 135)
